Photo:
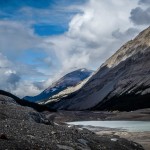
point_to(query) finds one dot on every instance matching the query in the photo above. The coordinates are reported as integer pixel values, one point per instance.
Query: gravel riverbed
(24, 128)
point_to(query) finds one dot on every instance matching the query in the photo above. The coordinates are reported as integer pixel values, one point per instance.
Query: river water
(131, 126)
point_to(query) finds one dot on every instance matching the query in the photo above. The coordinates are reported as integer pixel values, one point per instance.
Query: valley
(24, 127)
(117, 95)
(121, 83)
(75, 75)
(139, 134)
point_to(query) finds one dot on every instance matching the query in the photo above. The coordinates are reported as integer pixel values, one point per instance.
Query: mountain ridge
(17, 100)
(69, 80)
(123, 72)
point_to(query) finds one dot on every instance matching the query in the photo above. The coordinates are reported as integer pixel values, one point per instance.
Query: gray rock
(122, 82)
(64, 147)
(82, 141)
(25, 128)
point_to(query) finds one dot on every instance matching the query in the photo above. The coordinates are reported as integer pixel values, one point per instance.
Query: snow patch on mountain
(68, 81)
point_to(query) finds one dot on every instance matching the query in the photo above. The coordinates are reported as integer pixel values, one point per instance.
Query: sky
(42, 40)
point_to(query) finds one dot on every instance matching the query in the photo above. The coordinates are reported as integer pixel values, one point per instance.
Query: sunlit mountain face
(69, 80)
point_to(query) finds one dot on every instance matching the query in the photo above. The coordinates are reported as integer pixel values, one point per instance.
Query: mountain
(69, 80)
(64, 93)
(121, 83)
(7, 97)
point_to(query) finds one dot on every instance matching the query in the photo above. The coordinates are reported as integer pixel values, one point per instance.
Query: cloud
(16, 74)
(125, 35)
(93, 35)
(89, 40)
(15, 36)
(25, 88)
(4, 63)
(50, 12)
(144, 2)
(140, 16)
(95, 30)
(11, 78)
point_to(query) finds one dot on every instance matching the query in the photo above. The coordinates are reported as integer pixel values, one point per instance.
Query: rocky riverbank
(142, 138)
(24, 128)
(70, 116)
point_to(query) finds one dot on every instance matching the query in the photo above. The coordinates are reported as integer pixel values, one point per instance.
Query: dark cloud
(131, 32)
(140, 16)
(12, 80)
(144, 2)
(39, 85)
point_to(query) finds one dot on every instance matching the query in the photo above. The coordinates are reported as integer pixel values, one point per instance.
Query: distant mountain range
(69, 80)
(121, 83)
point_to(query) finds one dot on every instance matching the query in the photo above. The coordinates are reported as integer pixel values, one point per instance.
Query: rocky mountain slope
(69, 80)
(24, 128)
(6, 96)
(64, 93)
(121, 83)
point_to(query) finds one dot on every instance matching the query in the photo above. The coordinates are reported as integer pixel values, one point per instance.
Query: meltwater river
(131, 126)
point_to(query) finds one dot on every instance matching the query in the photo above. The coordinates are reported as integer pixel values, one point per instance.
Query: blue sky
(41, 40)
(44, 18)
(48, 17)
(24, 25)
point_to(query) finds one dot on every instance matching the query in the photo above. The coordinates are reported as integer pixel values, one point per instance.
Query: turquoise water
(131, 126)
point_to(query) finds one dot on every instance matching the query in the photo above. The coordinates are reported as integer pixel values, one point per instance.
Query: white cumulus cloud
(94, 34)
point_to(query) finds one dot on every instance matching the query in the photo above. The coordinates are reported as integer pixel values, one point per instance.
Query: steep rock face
(122, 82)
(69, 80)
